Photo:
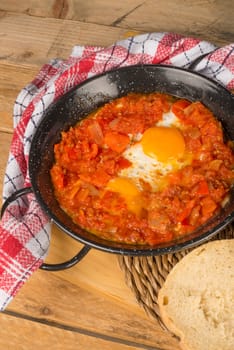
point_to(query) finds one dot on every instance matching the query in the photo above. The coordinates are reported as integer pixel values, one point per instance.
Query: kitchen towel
(24, 228)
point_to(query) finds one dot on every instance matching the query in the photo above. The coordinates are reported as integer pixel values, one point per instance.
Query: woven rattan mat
(146, 275)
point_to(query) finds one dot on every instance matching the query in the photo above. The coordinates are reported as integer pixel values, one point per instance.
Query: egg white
(147, 168)
(143, 167)
(169, 119)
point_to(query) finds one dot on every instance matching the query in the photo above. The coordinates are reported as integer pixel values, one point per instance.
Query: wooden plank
(22, 334)
(42, 8)
(5, 140)
(210, 20)
(34, 40)
(53, 298)
(73, 9)
(13, 79)
(24, 51)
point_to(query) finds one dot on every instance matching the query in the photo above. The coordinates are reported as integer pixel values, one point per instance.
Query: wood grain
(51, 298)
(28, 334)
(25, 39)
(205, 19)
(208, 19)
(13, 78)
(5, 140)
(24, 51)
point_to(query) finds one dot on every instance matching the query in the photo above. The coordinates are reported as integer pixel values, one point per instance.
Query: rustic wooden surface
(90, 305)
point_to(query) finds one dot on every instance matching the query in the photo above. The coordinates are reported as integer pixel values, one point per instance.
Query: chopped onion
(93, 191)
(225, 200)
(113, 123)
(96, 133)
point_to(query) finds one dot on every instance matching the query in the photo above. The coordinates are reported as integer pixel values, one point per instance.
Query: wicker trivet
(146, 275)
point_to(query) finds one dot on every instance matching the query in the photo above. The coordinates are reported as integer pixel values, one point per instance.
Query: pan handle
(47, 267)
(69, 263)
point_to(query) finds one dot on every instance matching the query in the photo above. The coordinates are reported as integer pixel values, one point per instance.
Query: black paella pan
(93, 93)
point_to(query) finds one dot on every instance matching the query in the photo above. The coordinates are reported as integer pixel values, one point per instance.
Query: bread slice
(196, 301)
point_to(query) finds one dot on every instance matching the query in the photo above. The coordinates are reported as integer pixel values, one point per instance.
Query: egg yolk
(163, 143)
(127, 190)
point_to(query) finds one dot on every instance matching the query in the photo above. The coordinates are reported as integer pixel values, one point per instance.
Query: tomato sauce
(92, 153)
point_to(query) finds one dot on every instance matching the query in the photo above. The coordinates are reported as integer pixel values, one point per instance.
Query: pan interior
(93, 93)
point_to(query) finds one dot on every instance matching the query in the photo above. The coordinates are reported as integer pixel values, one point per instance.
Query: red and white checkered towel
(24, 229)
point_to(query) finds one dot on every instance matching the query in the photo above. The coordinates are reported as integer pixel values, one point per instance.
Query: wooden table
(90, 305)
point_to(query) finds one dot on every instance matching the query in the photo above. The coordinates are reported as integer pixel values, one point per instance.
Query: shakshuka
(143, 169)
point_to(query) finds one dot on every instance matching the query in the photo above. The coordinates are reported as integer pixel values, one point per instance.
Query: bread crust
(196, 302)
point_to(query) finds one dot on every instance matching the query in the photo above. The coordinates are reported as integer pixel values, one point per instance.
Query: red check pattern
(24, 228)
